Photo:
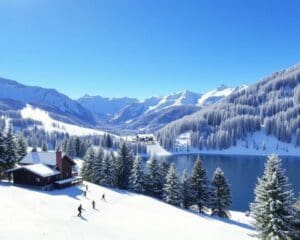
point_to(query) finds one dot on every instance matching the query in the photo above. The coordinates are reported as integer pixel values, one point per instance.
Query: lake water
(240, 171)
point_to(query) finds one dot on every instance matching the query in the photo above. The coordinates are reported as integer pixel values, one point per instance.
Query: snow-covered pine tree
(172, 190)
(200, 185)
(123, 166)
(272, 208)
(2, 145)
(10, 155)
(136, 179)
(188, 194)
(70, 147)
(108, 171)
(21, 146)
(153, 179)
(98, 173)
(164, 168)
(44, 147)
(87, 167)
(221, 195)
(2, 152)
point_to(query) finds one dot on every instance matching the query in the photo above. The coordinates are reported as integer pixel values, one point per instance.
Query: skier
(94, 204)
(79, 211)
(103, 197)
(86, 187)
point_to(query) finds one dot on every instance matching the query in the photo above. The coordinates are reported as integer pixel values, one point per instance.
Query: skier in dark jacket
(103, 197)
(94, 204)
(79, 211)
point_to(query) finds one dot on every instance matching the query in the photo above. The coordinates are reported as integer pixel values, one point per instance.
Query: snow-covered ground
(156, 150)
(258, 144)
(37, 215)
(51, 125)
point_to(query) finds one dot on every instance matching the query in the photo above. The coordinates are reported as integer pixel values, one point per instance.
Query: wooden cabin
(45, 169)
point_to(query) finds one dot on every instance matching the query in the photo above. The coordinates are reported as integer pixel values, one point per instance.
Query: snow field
(38, 215)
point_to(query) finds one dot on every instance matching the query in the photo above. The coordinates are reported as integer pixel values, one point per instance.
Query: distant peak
(222, 87)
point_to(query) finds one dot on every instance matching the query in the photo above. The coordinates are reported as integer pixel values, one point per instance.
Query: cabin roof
(48, 158)
(39, 169)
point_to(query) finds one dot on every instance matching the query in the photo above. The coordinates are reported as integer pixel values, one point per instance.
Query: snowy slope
(51, 125)
(44, 98)
(257, 143)
(217, 94)
(30, 214)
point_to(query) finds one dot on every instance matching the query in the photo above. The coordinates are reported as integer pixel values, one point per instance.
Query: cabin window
(37, 179)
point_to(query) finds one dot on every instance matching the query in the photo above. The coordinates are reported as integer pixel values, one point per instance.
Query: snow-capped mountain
(117, 114)
(153, 113)
(105, 107)
(57, 104)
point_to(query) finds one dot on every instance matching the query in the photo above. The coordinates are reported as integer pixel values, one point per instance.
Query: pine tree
(188, 194)
(10, 156)
(44, 147)
(123, 166)
(136, 180)
(200, 185)
(97, 169)
(108, 171)
(78, 147)
(2, 153)
(87, 167)
(172, 190)
(221, 196)
(2, 145)
(21, 147)
(70, 147)
(164, 168)
(153, 179)
(272, 208)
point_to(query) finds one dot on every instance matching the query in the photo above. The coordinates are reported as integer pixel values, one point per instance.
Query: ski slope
(51, 125)
(37, 215)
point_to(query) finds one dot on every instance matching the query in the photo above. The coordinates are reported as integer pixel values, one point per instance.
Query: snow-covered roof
(41, 170)
(48, 158)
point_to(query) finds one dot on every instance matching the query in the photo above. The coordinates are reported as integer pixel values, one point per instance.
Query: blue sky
(142, 48)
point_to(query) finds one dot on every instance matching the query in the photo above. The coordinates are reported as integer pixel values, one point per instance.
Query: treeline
(158, 179)
(272, 105)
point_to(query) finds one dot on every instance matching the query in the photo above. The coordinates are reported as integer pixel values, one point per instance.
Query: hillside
(52, 215)
(270, 107)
